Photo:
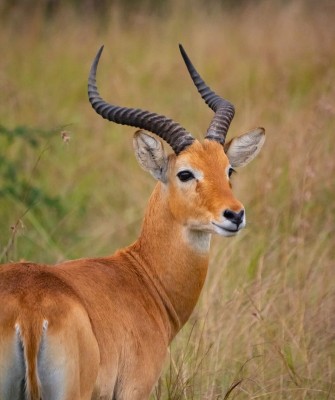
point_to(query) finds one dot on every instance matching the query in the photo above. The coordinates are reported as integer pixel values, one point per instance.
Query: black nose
(234, 217)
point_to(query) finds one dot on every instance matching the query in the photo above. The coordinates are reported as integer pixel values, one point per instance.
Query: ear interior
(243, 149)
(150, 154)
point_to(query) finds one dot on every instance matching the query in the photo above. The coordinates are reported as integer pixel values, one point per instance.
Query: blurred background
(70, 185)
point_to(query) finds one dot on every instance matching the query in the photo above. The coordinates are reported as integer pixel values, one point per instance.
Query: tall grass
(265, 324)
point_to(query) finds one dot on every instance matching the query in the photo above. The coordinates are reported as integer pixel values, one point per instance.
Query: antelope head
(196, 177)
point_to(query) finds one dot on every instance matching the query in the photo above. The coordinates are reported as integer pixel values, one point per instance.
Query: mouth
(225, 231)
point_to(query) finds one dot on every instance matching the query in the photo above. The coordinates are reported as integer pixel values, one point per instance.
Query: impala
(99, 328)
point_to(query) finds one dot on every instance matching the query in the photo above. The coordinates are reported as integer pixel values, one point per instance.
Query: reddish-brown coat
(110, 320)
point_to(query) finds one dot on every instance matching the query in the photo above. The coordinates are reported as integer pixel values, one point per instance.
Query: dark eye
(185, 176)
(231, 171)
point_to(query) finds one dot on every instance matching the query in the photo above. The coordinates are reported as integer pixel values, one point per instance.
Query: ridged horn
(224, 110)
(173, 133)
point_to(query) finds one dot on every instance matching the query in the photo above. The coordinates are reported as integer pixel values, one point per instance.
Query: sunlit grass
(265, 324)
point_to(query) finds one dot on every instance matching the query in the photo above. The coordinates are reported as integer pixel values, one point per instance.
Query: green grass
(264, 327)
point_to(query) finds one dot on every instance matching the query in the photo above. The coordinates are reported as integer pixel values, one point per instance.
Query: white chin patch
(227, 229)
(225, 232)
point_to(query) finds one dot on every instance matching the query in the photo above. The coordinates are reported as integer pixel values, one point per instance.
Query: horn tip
(100, 50)
(182, 50)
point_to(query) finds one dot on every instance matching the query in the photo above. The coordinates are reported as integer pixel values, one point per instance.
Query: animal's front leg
(139, 375)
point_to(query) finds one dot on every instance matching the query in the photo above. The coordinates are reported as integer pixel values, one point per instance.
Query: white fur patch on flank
(51, 369)
(17, 329)
(45, 325)
(12, 368)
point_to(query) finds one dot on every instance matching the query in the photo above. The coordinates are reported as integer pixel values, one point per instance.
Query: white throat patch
(197, 240)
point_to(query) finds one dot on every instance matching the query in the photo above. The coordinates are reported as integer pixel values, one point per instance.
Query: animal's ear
(242, 149)
(150, 154)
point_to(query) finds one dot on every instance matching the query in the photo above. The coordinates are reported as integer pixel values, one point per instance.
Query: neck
(175, 258)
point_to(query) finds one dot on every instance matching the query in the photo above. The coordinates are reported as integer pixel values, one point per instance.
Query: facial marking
(197, 174)
(200, 203)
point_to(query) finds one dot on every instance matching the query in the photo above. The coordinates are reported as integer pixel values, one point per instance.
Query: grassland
(265, 325)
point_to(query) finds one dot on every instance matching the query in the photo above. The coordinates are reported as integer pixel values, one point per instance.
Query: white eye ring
(185, 175)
